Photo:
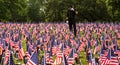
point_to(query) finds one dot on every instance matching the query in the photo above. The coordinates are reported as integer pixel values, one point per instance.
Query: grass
(83, 58)
(17, 61)
(24, 44)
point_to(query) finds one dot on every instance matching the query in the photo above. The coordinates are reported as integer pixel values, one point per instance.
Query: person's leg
(74, 25)
(70, 26)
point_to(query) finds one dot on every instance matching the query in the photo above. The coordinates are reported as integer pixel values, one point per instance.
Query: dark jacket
(71, 14)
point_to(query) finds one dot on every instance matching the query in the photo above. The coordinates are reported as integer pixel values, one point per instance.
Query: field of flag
(54, 44)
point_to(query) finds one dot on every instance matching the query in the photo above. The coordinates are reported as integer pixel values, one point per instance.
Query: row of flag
(60, 46)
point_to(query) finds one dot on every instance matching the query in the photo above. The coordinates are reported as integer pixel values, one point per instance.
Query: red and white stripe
(59, 58)
(102, 59)
(28, 55)
(70, 61)
(59, 54)
(107, 61)
(47, 57)
(30, 63)
(50, 60)
(114, 61)
(21, 53)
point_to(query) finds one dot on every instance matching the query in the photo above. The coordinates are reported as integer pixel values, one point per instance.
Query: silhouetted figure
(71, 19)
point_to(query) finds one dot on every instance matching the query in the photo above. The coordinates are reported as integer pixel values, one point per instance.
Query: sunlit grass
(83, 58)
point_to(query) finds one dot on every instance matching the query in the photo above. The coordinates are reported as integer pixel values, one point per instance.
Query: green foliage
(12, 10)
(114, 9)
(35, 11)
(55, 10)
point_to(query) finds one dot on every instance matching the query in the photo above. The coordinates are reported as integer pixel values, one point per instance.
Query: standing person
(71, 19)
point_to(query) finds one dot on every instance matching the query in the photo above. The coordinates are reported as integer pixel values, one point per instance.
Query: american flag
(102, 57)
(111, 59)
(81, 47)
(69, 44)
(28, 55)
(71, 58)
(44, 60)
(65, 51)
(114, 59)
(75, 52)
(28, 52)
(7, 54)
(59, 55)
(29, 49)
(47, 56)
(54, 48)
(115, 46)
(64, 62)
(50, 56)
(90, 57)
(21, 52)
(10, 60)
(3, 44)
(34, 59)
(107, 61)
(11, 44)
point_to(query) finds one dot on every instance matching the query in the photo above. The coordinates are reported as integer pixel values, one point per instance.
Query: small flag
(64, 60)
(71, 58)
(10, 60)
(33, 60)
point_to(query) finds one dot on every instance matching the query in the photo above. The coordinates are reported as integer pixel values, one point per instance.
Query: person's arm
(76, 12)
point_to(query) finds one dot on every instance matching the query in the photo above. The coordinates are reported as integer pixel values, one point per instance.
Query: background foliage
(55, 10)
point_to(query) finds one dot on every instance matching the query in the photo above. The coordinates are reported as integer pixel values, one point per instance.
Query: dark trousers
(72, 24)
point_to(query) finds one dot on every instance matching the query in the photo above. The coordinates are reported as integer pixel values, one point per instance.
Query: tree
(35, 10)
(12, 10)
(113, 7)
(56, 10)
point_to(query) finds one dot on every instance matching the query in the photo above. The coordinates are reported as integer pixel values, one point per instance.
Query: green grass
(24, 44)
(83, 58)
(17, 61)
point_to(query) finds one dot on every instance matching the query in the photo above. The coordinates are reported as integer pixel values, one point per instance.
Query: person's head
(72, 6)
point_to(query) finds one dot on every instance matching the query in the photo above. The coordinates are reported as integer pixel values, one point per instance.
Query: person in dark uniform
(71, 19)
